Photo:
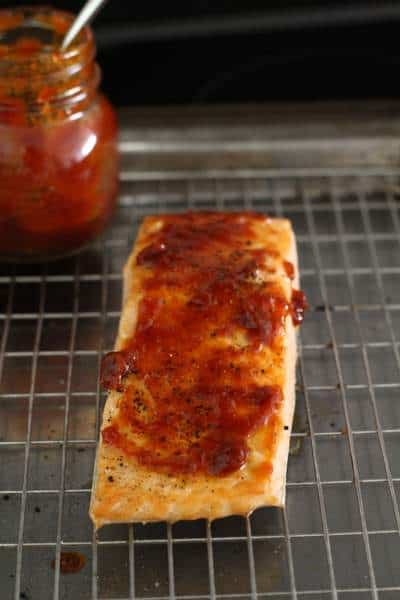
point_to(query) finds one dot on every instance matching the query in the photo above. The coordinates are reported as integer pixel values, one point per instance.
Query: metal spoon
(84, 17)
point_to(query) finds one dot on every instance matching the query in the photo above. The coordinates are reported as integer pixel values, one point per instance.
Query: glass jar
(58, 138)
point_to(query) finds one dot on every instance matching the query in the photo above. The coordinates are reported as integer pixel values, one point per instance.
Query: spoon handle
(84, 17)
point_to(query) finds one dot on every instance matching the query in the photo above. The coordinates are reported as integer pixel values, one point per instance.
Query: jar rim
(29, 19)
(37, 77)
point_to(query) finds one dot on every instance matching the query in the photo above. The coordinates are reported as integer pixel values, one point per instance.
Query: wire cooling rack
(339, 534)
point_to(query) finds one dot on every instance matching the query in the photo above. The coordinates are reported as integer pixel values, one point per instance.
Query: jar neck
(39, 81)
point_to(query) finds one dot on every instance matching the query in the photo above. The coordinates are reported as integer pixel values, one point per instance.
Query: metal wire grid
(339, 535)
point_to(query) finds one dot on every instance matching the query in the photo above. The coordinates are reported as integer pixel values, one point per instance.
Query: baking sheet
(339, 534)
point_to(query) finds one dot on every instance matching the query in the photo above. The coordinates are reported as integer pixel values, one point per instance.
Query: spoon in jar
(84, 17)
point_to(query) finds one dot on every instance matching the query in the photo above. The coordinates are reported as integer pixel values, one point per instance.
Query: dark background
(174, 52)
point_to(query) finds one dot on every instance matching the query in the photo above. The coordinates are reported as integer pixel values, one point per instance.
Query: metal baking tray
(334, 171)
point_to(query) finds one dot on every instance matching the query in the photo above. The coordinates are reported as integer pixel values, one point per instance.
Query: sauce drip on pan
(197, 390)
(70, 562)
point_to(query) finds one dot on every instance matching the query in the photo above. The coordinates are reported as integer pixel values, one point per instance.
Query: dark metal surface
(339, 534)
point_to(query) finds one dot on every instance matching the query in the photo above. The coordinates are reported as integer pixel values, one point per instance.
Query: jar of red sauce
(58, 138)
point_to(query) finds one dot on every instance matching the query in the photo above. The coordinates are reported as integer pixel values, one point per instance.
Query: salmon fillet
(201, 382)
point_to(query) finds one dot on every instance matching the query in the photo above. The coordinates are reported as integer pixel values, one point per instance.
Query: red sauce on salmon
(194, 401)
(298, 306)
(289, 269)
